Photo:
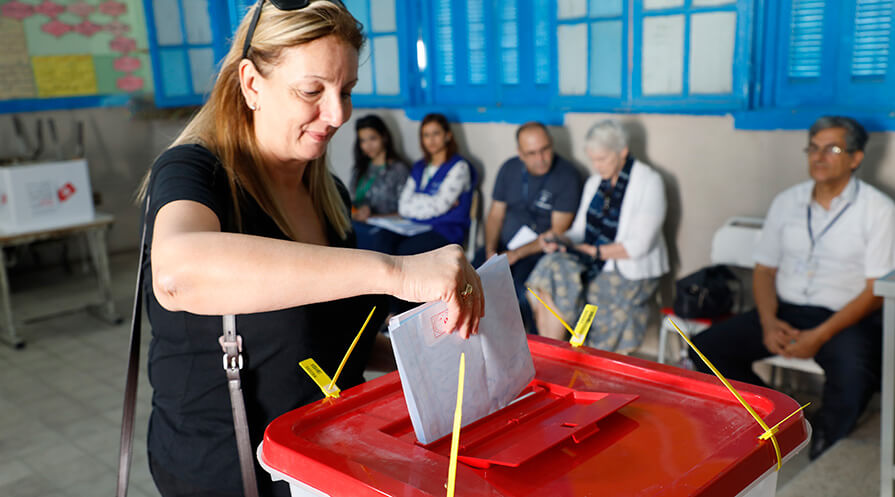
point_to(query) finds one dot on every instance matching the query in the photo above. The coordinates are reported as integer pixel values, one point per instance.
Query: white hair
(607, 135)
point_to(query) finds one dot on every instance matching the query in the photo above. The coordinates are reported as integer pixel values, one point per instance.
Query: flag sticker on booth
(66, 191)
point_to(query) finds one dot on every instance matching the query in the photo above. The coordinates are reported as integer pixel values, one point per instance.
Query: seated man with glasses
(535, 192)
(824, 243)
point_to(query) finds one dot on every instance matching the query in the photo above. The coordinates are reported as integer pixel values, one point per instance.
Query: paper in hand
(498, 362)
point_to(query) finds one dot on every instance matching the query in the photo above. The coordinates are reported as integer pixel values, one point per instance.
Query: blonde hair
(225, 125)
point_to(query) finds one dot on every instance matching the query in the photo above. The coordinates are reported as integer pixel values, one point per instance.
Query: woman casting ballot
(244, 218)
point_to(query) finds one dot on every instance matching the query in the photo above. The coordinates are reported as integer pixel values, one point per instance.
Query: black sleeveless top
(191, 425)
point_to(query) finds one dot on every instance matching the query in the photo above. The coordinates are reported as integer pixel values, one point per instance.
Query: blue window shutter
(805, 66)
(542, 42)
(523, 49)
(806, 39)
(509, 43)
(866, 74)
(477, 51)
(872, 37)
(444, 47)
(185, 46)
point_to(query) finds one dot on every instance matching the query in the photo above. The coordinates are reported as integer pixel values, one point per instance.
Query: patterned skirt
(622, 304)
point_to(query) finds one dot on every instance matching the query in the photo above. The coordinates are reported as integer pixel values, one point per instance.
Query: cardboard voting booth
(45, 195)
(590, 423)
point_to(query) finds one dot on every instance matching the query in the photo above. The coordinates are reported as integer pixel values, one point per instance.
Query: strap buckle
(232, 352)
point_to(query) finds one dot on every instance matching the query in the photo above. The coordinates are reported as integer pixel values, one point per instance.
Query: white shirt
(853, 241)
(424, 206)
(639, 224)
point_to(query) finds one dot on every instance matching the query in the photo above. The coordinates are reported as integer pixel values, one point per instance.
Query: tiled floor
(61, 396)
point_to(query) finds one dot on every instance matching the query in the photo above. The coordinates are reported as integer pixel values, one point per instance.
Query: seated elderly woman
(614, 253)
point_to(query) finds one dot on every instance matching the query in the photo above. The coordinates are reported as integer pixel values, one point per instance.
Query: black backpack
(706, 293)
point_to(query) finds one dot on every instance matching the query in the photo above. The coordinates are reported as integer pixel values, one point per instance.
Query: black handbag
(707, 293)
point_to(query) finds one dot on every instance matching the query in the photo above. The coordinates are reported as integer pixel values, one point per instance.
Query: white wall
(711, 170)
(119, 150)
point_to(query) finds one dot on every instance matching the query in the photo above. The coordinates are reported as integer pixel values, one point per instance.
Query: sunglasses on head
(285, 5)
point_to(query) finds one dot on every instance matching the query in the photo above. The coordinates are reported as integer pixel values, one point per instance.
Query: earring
(254, 107)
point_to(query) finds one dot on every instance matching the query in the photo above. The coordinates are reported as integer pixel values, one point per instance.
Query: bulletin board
(57, 54)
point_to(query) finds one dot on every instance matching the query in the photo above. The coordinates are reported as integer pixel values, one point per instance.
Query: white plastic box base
(45, 195)
(764, 486)
(297, 488)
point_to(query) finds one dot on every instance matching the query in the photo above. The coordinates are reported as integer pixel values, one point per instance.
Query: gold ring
(466, 291)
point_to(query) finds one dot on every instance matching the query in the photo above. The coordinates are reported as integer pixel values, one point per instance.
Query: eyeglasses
(828, 151)
(285, 5)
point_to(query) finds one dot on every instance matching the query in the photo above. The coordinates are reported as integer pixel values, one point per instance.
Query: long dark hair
(446, 126)
(361, 161)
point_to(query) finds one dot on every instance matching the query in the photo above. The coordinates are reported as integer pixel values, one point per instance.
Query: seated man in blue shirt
(823, 244)
(535, 192)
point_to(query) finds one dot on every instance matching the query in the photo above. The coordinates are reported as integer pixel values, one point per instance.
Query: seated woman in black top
(244, 218)
(377, 177)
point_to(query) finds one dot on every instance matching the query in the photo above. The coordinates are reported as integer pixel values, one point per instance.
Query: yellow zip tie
(351, 348)
(561, 320)
(773, 431)
(319, 376)
(583, 325)
(327, 386)
(767, 431)
(455, 437)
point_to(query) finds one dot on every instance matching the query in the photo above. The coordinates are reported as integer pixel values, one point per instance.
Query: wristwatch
(598, 256)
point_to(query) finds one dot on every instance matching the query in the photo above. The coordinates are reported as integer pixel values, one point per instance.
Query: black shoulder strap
(232, 345)
(126, 445)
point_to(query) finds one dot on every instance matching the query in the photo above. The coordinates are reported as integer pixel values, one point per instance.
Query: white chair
(733, 244)
(472, 234)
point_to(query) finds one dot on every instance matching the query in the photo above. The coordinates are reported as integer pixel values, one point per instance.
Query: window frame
(220, 15)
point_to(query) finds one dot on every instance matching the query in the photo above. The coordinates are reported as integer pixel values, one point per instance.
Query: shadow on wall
(394, 129)
(871, 168)
(475, 162)
(637, 146)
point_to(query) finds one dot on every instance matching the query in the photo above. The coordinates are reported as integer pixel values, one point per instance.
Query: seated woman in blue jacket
(438, 193)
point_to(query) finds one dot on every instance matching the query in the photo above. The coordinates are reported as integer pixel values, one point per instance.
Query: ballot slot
(544, 416)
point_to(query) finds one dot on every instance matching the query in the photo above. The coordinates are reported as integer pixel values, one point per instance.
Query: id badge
(806, 267)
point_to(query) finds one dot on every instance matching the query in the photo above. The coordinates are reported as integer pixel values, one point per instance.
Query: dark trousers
(371, 237)
(520, 271)
(851, 360)
(169, 485)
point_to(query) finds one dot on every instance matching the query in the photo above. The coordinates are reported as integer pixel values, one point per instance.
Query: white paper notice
(663, 55)
(712, 41)
(524, 236)
(498, 362)
(399, 225)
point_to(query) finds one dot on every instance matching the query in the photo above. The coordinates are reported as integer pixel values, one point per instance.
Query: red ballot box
(634, 428)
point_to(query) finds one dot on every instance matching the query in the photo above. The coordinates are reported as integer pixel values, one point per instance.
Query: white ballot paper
(498, 362)
(399, 225)
(524, 236)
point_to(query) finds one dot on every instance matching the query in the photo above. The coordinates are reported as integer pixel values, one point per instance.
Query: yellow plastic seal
(768, 432)
(583, 325)
(455, 436)
(320, 377)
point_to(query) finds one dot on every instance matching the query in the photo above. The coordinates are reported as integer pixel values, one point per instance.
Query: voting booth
(634, 428)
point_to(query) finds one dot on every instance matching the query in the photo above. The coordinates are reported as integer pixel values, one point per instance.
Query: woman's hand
(584, 248)
(443, 274)
(549, 242)
(362, 213)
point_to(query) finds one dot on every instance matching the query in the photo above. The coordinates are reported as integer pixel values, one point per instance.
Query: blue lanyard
(829, 225)
(525, 182)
